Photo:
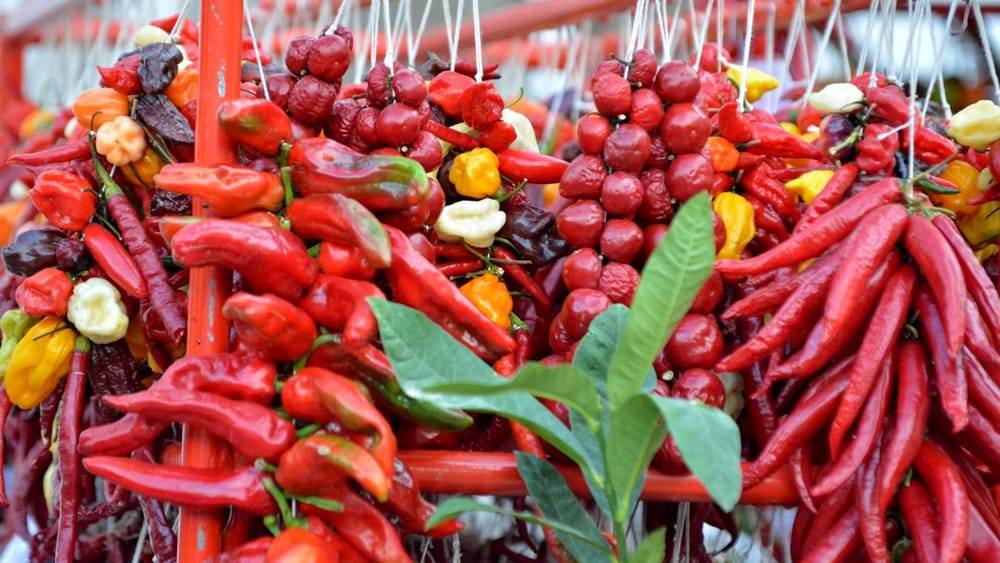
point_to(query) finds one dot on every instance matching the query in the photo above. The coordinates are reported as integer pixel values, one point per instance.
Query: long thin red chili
(983, 544)
(70, 150)
(920, 518)
(979, 494)
(837, 542)
(460, 268)
(521, 276)
(803, 519)
(983, 391)
(114, 260)
(871, 517)
(950, 377)
(978, 341)
(772, 295)
(912, 409)
(945, 484)
(826, 231)
(760, 408)
(831, 195)
(802, 476)
(70, 416)
(5, 406)
(161, 533)
(939, 264)
(451, 136)
(876, 346)
(982, 438)
(977, 281)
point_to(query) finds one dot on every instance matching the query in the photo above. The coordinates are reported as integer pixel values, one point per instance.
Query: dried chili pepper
(871, 516)
(187, 486)
(920, 518)
(31, 251)
(340, 304)
(362, 526)
(69, 458)
(339, 219)
(227, 190)
(945, 485)
(158, 66)
(912, 409)
(163, 117)
(268, 323)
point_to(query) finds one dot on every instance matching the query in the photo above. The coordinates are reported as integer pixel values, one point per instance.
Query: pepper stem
(111, 188)
(320, 341)
(287, 518)
(82, 344)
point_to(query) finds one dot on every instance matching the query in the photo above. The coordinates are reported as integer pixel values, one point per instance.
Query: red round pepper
(46, 292)
(67, 200)
(270, 324)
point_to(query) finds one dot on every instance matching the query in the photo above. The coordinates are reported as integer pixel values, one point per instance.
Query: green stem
(287, 517)
(622, 538)
(307, 431)
(111, 188)
(320, 341)
(286, 182)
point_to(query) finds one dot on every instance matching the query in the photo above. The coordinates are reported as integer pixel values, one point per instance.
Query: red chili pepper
(995, 159)
(46, 292)
(802, 476)
(446, 89)
(521, 276)
(226, 190)
(251, 552)
(340, 305)
(64, 198)
(481, 105)
(979, 494)
(929, 248)
(169, 225)
(875, 349)
(930, 146)
(275, 327)
(837, 539)
(254, 430)
(869, 428)
(772, 140)
(912, 409)
(162, 297)
(342, 220)
(417, 283)
(830, 511)
(981, 437)
(451, 136)
(347, 552)
(871, 516)
(983, 390)
(760, 407)
(758, 183)
(732, 125)
(344, 261)
(531, 167)
(800, 527)
(945, 484)
(497, 137)
(256, 123)
(772, 294)
(951, 380)
(877, 149)
(830, 196)
(114, 260)
(187, 486)
(123, 76)
(269, 260)
(295, 545)
(5, 406)
(829, 229)
(767, 218)
(921, 520)
(407, 504)
(66, 152)
(461, 268)
(362, 526)
(161, 532)
(889, 103)
(319, 463)
(70, 415)
(977, 281)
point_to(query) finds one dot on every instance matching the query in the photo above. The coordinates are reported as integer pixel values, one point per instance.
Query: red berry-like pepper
(446, 91)
(481, 105)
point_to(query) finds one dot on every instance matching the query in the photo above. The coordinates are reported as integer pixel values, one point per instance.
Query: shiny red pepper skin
(877, 149)
(114, 260)
(982, 544)
(983, 390)
(46, 292)
(871, 516)
(889, 103)
(417, 283)
(759, 183)
(945, 484)
(66, 199)
(344, 261)
(446, 89)
(978, 283)
(451, 136)
(254, 430)
(771, 295)
(920, 518)
(732, 125)
(342, 220)
(772, 140)
(950, 377)
(227, 190)
(532, 167)
(407, 504)
(269, 260)
(187, 486)
(363, 526)
(278, 329)
(66, 152)
(521, 276)
(909, 422)
(123, 76)
(830, 197)
(929, 248)
(765, 217)
(70, 415)
(981, 437)
(380, 183)
(256, 123)
(340, 305)
(930, 146)
(318, 463)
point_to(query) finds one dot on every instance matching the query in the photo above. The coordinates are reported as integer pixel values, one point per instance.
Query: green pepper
(13, 324)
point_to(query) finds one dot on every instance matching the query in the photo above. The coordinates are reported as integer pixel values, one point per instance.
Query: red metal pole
(200, 533)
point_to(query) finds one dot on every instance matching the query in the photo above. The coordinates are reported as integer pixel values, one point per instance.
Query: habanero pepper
(46, 292)
(227, 190)
(187, 486)
(270, 260)
(256, 123)
(339, 219)
(340, 304)
(417, 283)
(379, 182)
(446, 89)
(318, 463)
(268, 323)
(114, 260)
(254, 430)
(40, 360)
(491, 298)
(64, 198)
(142, 172)
(475, 174)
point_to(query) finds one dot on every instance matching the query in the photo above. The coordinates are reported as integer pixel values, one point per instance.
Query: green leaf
(556, 501)
(636, 432)
(670, 281)
(593, 355)
(592, 449)
(652, 548)
(455, 506)
(424, 356)
(709, 442)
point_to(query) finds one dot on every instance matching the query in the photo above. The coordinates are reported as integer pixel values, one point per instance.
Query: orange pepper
(723, 154)
(184, 87)
(491, 297)
(966, 178)
(9, 214)
(98, 106)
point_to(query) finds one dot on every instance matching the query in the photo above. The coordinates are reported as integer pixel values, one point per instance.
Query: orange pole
(200, 533)
(493, 473)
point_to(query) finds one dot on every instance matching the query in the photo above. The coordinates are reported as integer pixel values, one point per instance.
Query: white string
(446, 8)
(256, 50)
(703, 34)
(718, 32)
(865, 45)
(402, 11)
(984, 37)
(322, 16)
(769, 37)
(939, 59)
(337, 17)
(373, 32)
(180, 19)
(634, 30)
(695, 37)
(477, 37)
(822, 47)
(803, 40)
(389, 59)
(748, 36)
(913, 85)
(673, 29)
(661, 23)
(873, 80)
(791, 41)
(890, 37)
(458, 33)
(412, 47)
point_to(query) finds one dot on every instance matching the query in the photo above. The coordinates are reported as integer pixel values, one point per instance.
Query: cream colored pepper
(121, 141)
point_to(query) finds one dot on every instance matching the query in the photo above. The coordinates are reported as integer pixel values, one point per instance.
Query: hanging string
(256, 50)
(703, 34)
(478, 39)
(803, 40)
(695, 38)
(389, 59)
(336, 18)
(873, 80)
(401, 12)
(939, 63)
(845, 57)
(747, 37)
(175, 31)
(827, 31)
(411, 52)
(373, 33)
(869, 29)
(791, 41)
(458, 34)
(984, 38)
(718, 32)
(922, 7)
(890, 38)
(675, 19)
(661, 23)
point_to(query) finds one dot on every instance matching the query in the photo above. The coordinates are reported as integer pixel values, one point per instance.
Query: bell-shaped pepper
(839, 97)
(97, 311)
(142, 172)
(475, 222)
(810, 184)
(314, 464)
(379, 182)
(67, 200)
(279, 329)
(340, 304)
(738, 217)
(476, 173)
(228, 190)
(121, 141)
(965, 178)
(255, 123)
(758, 82)
(45, 293)
(97, 106)
(40, 360)
(342, 220)
(270, 260)
(13, 325)
(491, 297)
(977, 125)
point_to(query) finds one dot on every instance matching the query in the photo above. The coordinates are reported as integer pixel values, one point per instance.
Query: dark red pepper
(340, 305)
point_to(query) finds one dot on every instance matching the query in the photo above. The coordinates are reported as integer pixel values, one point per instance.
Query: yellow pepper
(966, 179)
(981, 227)
(549, 194)
(758, 82)
(140, 173)
(40, 360)
(810, 184)
(491, 297)
(476, 173)
(977, 125)
(987, 252)
(737, 216)
(135, 339)
(121, 141)
(37, 121)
